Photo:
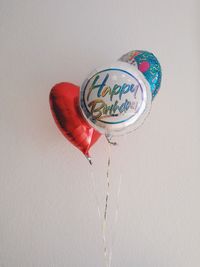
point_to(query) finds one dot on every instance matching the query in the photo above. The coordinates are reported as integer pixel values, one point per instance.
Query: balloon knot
(108, 138)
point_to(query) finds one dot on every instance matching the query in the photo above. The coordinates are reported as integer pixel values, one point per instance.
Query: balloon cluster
(113, 100)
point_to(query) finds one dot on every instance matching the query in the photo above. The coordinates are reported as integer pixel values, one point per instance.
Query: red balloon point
(64, 103)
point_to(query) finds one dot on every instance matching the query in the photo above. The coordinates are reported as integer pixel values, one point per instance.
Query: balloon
(64, 103)
(115, 99)
(148, 64)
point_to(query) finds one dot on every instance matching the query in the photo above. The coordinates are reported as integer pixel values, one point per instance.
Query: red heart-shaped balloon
(64, 103)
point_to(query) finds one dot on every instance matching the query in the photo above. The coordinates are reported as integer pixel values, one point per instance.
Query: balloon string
(107, 250)
(106, 210)
(95, 195)
(100, 216)
(115, 220)
(113, 234)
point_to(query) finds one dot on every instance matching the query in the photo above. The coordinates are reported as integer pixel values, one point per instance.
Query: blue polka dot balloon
(149, 65)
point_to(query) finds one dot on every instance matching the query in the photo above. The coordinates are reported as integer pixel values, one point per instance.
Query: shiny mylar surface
(148, 64)
(64, 103)
(115, 99)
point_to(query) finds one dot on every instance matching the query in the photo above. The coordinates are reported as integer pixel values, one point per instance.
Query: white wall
(48, 216)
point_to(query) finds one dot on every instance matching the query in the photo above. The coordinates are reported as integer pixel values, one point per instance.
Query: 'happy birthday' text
(100, 108)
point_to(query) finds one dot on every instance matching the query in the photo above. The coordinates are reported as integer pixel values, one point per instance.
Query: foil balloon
(148, 65)
(64, 103)
(115, 99)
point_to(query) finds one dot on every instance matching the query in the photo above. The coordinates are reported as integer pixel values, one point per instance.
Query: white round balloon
(115, 99)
